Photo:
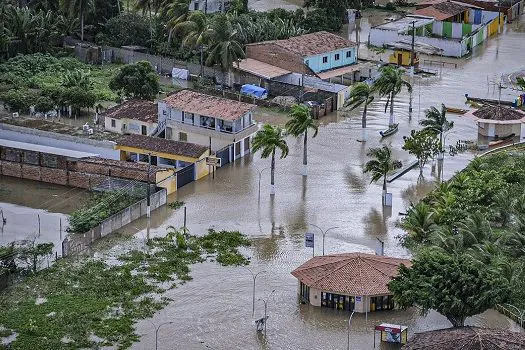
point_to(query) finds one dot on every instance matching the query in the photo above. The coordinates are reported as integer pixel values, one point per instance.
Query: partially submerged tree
(423, 144)
(300, 121)
(361, 94)
(137, 80)
(455, 285)
(436, 122)
(270, 139)
(390, 83)
(381, 164)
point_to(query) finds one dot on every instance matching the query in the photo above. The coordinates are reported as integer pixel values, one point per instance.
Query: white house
(209, 6)
(132, 117)
(223, 125)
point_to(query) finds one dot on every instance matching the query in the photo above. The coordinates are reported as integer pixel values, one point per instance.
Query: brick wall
(31, 172)
(277, 56)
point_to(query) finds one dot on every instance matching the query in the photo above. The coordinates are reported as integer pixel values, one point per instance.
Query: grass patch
(92, 297)
(176, 205)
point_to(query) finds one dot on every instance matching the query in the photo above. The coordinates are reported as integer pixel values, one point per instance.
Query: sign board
(357, 299)
(388, 199)
(309, 240)
(213, 161)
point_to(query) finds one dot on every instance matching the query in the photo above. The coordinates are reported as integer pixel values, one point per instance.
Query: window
(195, 6)
(348, 54)
(187, 118)
(113, 123)
(144, 130)
(183, 136)
(337, 57)
(325, 59)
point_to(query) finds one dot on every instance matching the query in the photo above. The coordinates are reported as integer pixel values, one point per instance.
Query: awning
(343, 70)
(260, 69)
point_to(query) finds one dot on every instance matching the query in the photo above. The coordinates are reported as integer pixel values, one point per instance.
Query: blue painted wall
(332, 61)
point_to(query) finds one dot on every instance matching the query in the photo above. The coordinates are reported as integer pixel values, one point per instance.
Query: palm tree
(390, 83)
(437, 122)
(300, 121)
(190, 28)
(78, 8)
(381, 164)
(269, 139)
(361, 94)
(223, 47)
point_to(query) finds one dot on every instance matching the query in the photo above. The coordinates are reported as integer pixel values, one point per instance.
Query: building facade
(222, 125)
(351, 281)
(131, 117)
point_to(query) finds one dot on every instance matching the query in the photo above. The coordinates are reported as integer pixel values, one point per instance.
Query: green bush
(97, 209)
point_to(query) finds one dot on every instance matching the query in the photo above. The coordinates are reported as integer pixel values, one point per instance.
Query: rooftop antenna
(499, 85)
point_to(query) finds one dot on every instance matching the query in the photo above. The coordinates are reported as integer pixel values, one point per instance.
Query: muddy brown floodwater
(214, 310)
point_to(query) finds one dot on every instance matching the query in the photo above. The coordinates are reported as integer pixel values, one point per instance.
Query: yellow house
(132, 117)
(188, 159)
(401, 57)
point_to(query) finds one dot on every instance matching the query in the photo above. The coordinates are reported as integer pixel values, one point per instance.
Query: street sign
(309, 240)
(213, 161)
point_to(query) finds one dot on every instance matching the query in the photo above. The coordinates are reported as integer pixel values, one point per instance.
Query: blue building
(306, 54)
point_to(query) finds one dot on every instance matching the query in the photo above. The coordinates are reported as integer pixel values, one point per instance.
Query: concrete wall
(130, 126)
(21, 134)
(210, 6)
(315, 297)
(317, 64)
(80, 242)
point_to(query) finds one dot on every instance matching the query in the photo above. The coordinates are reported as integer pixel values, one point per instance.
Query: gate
(224, 155)
(185, 175)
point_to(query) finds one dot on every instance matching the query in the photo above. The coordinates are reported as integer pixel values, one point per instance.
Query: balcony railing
(222, 130)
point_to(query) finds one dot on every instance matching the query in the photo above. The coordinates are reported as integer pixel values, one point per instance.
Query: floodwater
(214, 310)
(24, 203)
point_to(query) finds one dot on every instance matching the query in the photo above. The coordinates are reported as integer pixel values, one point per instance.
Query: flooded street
(213, 311)
(25, 202)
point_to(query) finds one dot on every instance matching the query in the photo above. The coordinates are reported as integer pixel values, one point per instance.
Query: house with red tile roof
(350, 281)
(131, 117)
(223, 125)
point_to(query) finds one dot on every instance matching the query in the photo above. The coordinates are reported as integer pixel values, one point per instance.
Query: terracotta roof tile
(156, 144)
(145, 111)
(466, 338)
(207, 105)
(442, 10)
(350, 273)
(498, 113)
(312, 44)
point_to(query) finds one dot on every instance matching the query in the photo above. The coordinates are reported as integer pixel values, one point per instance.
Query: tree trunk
(305, 154)
(272, 172)
(384, 189)
(441, 141)
(363, 124)
(391, 121)
(457, 321)
(81, 24)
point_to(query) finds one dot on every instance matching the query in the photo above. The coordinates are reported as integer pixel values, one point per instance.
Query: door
(144, 130)
(400, 59)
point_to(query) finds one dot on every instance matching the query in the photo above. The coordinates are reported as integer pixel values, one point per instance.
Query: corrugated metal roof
(46, 149)
(260, 69)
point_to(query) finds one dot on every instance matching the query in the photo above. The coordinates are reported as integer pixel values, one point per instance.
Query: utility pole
(323, 232)
(148, 207)
(413, 44)
(254, 276)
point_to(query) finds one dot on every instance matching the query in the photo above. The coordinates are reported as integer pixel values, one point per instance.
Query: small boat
(391, 130)
(456, 110)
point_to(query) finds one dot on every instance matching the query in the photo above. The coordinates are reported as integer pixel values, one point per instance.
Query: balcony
(222, 134)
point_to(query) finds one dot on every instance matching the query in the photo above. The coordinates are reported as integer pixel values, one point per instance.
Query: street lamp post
(157, 328)
(260, 174)
(266, 309)
(323, 232)
(254, 276)
(349, 320)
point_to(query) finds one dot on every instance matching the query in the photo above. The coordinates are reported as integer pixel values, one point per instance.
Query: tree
(381, 165)
(79, 8)
(137, 80)
(390, 83)
(223, 47)
(423, 144)
(437, 122)
(452, 284)
(361, 94)
(300, 121)
(191, 29)
(268, 140)
(125, 29)
(521, 82)
(32, 254)
(78, 98)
